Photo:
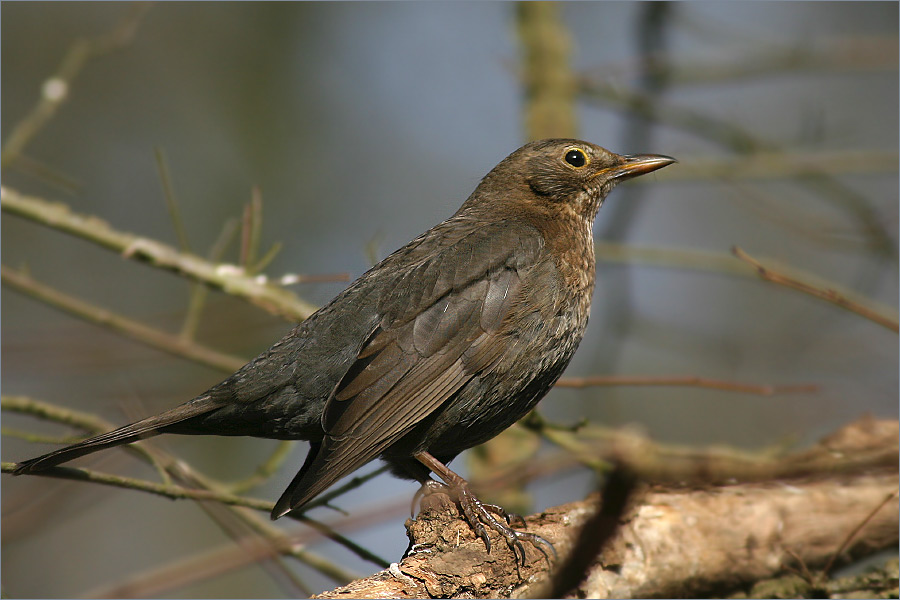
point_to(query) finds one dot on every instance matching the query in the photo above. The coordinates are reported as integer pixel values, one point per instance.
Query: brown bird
(441, 346)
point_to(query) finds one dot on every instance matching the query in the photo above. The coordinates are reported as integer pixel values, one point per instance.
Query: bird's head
(564, 173)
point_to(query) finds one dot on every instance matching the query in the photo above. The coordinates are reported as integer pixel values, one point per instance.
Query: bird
(439, 347)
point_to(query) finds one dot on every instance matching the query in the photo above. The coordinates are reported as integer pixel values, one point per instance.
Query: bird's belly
(493, 401)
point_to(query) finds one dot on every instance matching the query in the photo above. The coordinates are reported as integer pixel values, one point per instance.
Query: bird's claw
(512, 519)
(480, 514)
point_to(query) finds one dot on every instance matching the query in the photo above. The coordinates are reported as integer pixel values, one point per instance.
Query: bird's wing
(442, 325)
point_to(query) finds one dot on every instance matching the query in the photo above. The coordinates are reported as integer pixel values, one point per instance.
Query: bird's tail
(126, 434)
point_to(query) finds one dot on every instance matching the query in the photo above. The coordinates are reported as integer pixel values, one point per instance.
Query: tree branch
(826, 292)
(129, 328)
(683, 381)
(678, 540)
(228, 278)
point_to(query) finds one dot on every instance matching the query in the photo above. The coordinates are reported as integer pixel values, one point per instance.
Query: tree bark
(680, 541)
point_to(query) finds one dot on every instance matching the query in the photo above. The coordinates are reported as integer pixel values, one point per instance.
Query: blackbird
(439, 347)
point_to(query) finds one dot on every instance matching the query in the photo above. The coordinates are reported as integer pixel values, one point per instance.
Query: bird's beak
(633, 165)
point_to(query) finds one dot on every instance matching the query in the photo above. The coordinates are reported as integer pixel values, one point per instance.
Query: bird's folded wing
(415, 360)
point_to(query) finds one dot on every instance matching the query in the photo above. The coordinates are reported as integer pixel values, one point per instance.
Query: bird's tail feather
(126, 434)
(285, 504)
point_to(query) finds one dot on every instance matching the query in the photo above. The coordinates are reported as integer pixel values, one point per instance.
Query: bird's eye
(576, 158)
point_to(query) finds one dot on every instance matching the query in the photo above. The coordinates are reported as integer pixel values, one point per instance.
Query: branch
(56, 88)
(845, 55)
(827, 293)
(743, 142)
(228, 278)
(683, 381)
(717, 262)
(165, 463)
(676, 540)
(172, 344)
(172, 492)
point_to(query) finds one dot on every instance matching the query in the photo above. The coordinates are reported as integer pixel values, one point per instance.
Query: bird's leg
(479, 514)
(430, 486)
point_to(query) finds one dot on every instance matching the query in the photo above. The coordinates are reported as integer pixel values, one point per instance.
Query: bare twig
(170, 576)
(846, 55)
(160, 579)
(165, 178)
(57, 414)
(172, 344)
(266, 469)
(173, 492)
(199, 292)
(670, 258)
(714, 262)
(163, 462)
(684, 381)
(828, 293)
(850, 536)
(56, 88)
(744, 142)
(251, 228)
(229, 278)
(598, 447)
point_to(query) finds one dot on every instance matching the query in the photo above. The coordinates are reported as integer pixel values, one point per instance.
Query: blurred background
(363, 124)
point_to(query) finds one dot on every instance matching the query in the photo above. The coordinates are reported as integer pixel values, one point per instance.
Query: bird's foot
(482, 516)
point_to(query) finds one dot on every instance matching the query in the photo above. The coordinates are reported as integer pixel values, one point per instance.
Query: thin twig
(162, 462)
(234, 557)
(57, 414)
(827, 293)
(855, 532)
(326, 498)
(228, 278)
(199, 292)
(165, 178)
(670, 258)
(256, 536)
(700, 260)
(251, 228)
(37, 438)
(597, 447)
(172, 344)
(265, 470)
(75, 418)
(173, 492)
(866, 54)
(742, 141)
(684, 381)
(155, 582)
(176, 574)
(56, 88)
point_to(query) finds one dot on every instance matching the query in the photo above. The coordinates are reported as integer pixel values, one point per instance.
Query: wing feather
(441, 325)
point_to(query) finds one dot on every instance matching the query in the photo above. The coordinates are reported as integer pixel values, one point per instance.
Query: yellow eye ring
(575, 157)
